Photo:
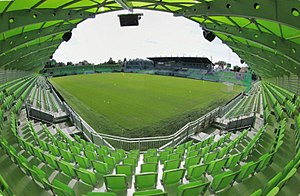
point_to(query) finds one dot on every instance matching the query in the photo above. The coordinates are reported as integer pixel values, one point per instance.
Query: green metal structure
(264, 33)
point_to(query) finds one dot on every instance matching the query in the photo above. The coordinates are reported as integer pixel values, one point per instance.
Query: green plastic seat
(62, 145)
(149, 167)
(274, 191)
(222, 180)
(82, 161)
(115, 182)
(122, 153)
(86, 176)
(210, 157)
(288, 176)
(192, 153)
(145, 181)
(100, 167)
(124, 169)
(53, 150)
(4, 187)
(62, 189)
(192, 161)
(193, 188)
(130, 161)
(173, 176)
(51, 160)
(265, 160)
(155, 192)
(246, 170)
(67, 155)
(75, 150)
(66, 168)
(257, 193)
(233, 160)
(175, 156)
(272, 183)
(196, 172)
(163, 156)
(91, 155)
(117, 156)
(38, 153)
(171, 164)
(216, 166)
(111, 163)
(152, 159)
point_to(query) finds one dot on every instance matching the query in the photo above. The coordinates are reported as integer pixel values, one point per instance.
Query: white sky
(159, 34)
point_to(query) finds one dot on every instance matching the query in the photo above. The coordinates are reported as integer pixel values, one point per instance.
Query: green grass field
(138, 105)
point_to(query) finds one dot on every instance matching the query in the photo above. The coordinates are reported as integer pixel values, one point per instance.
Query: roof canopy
(264, 33)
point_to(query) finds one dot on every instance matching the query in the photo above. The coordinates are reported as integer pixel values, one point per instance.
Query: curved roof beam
(271, 57)
(29, 57)
(20, 39)
(279, 70)
(286, 48)
(279, 11)
(21, 18)
(11, 56)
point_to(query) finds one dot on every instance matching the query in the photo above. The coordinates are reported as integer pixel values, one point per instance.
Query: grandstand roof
(181, 59)
(264, 33)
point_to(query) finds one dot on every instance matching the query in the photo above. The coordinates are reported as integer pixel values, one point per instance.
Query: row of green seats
(284, 92)
(271, 97)
(4, 188)
(280, 179)
(297, 133)
(290, 108)
(280, 98)
(38, 175)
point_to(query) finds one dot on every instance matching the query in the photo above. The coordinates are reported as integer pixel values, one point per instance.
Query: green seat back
(216, 166)
(233, 160)
(193, 188)
(131, 161)
(111, 163)
(152, 159)
(67, 155)
(115, 182)
(223, 180)
(192, 161)
(171, 164)
(196, 172)
(100, 167)
(124, 169)
(62, 189)
(149, 167)
(82, 161)
(246, 170)
(86, 176)
(4, 187)
(51, 160)
(66, 168)
(172, 176)
(145, 180)
(91, 155)
(210, 157)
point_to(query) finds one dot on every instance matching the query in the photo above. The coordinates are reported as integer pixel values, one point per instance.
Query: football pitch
(139, 105)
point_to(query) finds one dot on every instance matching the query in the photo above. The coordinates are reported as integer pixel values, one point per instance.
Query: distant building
(171, 63)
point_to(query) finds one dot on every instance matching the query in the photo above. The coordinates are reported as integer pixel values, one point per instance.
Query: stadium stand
(58, 162)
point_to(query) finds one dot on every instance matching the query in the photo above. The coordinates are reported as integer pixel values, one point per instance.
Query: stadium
(161, 126)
